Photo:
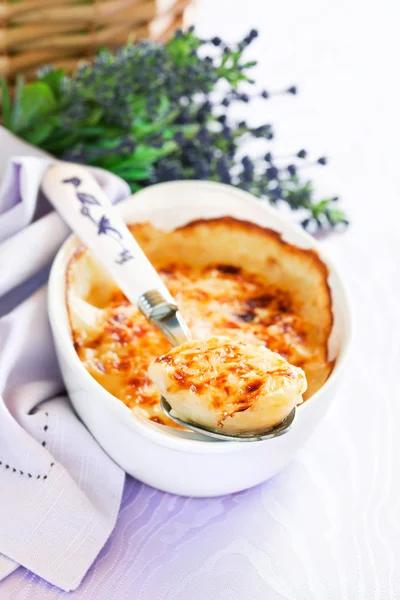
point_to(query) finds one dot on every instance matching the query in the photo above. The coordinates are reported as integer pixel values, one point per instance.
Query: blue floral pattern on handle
(104, 225)
(87, 199)
(74, 180)
(124, 256)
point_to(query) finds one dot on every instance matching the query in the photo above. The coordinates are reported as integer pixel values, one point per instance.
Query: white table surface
(338, 509)
(327, 528)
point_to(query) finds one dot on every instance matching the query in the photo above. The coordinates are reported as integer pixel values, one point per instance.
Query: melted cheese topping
(225, 384)
(117, 344)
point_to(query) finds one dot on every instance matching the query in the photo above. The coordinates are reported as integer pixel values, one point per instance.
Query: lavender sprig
(152, 112)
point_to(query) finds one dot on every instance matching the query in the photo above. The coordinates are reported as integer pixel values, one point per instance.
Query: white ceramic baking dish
(150, 453)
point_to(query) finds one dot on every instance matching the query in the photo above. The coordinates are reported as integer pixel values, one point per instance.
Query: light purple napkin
(59, 492)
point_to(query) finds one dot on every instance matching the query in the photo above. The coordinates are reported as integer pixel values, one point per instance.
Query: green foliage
(153, 112)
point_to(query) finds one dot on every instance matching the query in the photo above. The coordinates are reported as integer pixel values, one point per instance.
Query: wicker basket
(63, 32)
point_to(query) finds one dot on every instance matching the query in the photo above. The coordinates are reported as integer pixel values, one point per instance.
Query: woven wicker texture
(63, 32)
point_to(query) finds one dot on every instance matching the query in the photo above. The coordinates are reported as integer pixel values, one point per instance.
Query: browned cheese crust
(229, 277)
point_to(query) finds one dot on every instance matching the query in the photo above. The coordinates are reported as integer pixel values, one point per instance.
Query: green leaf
(320, 207)
(54, 80)
(93, 131)
(148, 154)
(135, 174)
(188, 130)
(59, 144)
(38, 134)
(119, 166)
(336, 215)
(135, 187)
(5, 103)
(169, 133)
(36, 99)
(250, 64)
(95, 116)
(16, 115)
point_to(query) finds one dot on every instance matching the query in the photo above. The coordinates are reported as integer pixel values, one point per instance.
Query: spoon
(266, 434)
(77, 197)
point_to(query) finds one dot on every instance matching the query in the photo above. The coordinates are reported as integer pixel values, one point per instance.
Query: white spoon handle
(83, 205)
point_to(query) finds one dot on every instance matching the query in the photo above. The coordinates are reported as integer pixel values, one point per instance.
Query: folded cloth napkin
(59, 492)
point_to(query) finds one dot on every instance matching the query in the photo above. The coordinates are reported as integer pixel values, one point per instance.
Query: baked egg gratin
(259, 310)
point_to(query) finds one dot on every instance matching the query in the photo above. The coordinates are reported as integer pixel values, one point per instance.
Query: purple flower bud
(272, 173)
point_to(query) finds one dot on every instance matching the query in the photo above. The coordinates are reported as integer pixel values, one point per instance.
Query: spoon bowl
(248, 436)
